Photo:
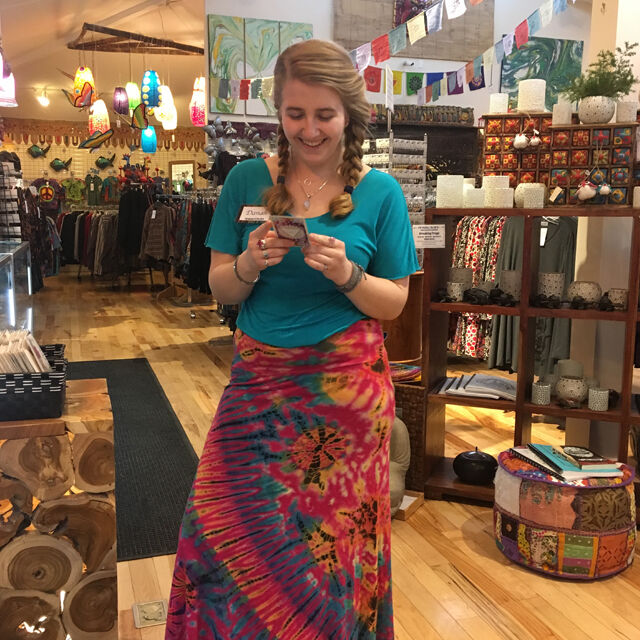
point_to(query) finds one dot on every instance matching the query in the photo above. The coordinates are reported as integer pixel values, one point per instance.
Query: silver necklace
(304, 185)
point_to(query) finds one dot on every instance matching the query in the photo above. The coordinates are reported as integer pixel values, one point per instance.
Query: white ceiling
(35, 34)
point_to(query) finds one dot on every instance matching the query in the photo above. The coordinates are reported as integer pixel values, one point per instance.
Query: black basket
(34, 396)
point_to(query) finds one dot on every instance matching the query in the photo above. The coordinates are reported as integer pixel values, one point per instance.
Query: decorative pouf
(585, 529)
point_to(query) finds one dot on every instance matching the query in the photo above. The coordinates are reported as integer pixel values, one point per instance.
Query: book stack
(568, 463)
(479, 386)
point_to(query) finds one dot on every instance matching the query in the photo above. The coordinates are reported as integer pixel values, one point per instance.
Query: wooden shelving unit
(440, 479)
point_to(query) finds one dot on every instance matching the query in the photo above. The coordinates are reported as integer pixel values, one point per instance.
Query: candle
(499, 103)
(531, 95)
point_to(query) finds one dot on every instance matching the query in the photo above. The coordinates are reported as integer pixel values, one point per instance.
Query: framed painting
(226, 58)
(555, 60)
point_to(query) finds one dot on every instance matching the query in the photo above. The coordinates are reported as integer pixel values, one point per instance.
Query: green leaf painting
(226, 58)
(556, 61)
(248, 48)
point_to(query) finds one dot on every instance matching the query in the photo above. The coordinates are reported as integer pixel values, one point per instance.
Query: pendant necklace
(304, 185)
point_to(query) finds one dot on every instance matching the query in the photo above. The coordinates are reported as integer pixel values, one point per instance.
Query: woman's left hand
(327, 254)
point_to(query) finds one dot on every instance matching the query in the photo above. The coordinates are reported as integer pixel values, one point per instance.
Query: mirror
(182, 174)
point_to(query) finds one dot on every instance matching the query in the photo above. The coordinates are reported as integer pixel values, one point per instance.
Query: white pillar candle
(499, 103)
(495, 182)
(498, 198)
(626, 111)
(562, 112)
(473, 198)
(531, 95)
(530, 195)
(470, 181)
(636, 197)
(449, 192)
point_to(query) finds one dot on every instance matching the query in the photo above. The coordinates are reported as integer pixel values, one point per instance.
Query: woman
(287, 530)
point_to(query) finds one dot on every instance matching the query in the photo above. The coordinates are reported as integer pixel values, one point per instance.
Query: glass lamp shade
(7, 87)
(83, 74)
(99, 117)
(170, 120)
(163, 111)
(148, 140)
(198, 104)
(150, 88)
(120, 101)
(133, 93)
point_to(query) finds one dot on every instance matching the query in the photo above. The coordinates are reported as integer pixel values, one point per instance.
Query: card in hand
(292, 229)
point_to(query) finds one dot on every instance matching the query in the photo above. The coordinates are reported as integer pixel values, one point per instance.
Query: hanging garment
(199, 255)
(131, 212)
(157, 241)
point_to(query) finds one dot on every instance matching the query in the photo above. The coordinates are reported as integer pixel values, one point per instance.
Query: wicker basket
(411, 408)
(35, 396)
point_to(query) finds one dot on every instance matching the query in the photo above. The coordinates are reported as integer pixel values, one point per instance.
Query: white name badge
(252, 214)
(429, 236)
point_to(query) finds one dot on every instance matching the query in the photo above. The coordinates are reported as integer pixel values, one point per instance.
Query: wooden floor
(450, 581)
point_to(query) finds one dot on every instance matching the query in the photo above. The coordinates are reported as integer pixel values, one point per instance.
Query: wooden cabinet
(440, 479)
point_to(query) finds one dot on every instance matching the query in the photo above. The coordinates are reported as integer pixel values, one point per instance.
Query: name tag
(252, 214)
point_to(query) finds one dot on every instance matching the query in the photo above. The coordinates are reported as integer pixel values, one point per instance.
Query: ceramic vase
(598, 399)
(571, 389)
(596, 110)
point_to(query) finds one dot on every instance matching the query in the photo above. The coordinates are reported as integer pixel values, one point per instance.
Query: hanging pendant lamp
(150, 84)
(148, 139)
(134, 94)
(197, 105)
(99, 117)
(83, 75)
(120, 101)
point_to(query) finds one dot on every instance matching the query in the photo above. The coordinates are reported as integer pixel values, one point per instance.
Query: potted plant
(608, 78)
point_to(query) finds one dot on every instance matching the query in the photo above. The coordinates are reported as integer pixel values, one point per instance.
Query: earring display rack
(501, 158)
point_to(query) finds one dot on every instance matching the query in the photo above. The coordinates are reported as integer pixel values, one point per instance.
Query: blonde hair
(328, 64)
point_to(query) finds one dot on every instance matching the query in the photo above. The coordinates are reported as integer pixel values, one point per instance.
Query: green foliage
(610, 75)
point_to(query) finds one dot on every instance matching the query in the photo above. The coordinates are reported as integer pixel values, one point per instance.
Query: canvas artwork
(404, 10)
(248, 48)
(226, 58)
(555, 60)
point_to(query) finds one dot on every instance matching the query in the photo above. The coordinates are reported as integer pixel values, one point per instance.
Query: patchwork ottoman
(569, 530)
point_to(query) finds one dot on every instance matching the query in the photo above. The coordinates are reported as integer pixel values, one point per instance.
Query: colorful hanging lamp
(83, 75)
(148, 139)
(150, 85)
(134, 94)
(121, 101)
(99, 117)
(198, 104)
(7, 85)
(166, 113)
(170, 121)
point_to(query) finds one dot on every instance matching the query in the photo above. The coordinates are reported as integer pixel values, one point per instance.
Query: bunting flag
(389, 44)
(414, 82)
(522, 34)
(388, 75)
(244, 89)
(397, 39)
(267, 87)
(397, 83)
(507, 43)
(456, 8)
(416, 28)
(373, 79)
(434, 18)
(223, 88)
(380, 48)
(535, 23)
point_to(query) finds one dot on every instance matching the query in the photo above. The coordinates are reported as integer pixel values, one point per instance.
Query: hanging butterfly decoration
(139, 119)
(83, 99)
(95, 140)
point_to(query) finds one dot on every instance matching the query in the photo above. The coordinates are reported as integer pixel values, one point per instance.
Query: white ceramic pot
(596, 110)
(572, 389)
(590, 291)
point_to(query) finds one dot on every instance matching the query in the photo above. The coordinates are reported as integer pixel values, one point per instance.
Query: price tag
(554, 194)
(429, 236)
(33, 190)
(543, 235)
(153, 214)
(92, 187)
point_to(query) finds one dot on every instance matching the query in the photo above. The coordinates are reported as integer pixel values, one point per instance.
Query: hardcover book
(501, 387)
(583, 457)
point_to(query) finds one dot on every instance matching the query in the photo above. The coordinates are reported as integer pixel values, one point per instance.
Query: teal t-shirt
(292, 304)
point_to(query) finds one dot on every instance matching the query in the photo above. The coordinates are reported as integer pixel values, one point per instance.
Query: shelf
(592, 210)
(422, 123)
(444, 482)
(578, 314)
(471, 401)
(554, 409)
(465, 307)
(634, 418)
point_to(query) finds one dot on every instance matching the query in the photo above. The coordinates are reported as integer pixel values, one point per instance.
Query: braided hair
(328, 64)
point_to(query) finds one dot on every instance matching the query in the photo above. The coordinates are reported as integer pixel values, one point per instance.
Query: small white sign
(429, 236)
(153, 214)
(253, 214)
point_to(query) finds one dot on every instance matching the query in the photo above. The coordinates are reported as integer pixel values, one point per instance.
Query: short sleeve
(395, 255)
(224, 232)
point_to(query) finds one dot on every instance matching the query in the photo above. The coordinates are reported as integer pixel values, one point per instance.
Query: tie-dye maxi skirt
(286, 532)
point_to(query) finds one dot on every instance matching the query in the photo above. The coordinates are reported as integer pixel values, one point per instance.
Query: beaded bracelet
(356, 275)
(235, 270)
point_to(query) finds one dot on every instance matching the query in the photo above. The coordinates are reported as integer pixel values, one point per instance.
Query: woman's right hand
(265, 248)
